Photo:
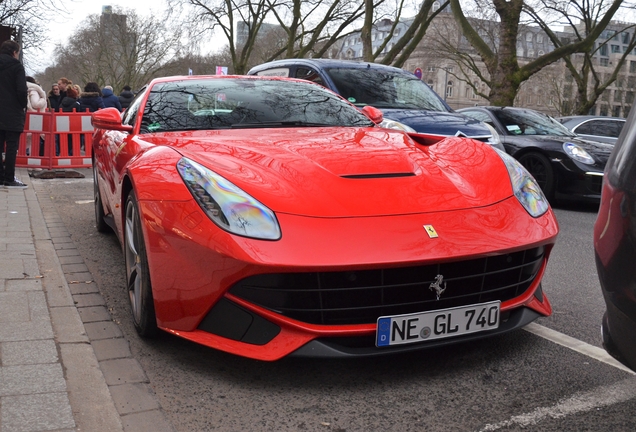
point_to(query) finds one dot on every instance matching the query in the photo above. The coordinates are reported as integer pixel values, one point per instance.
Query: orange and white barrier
(56, 140)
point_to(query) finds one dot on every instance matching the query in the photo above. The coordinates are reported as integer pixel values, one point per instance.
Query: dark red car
(615, 247)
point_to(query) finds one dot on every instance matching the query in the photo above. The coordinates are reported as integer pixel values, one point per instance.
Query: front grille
(360, 297)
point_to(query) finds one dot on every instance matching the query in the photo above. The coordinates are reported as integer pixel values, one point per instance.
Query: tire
(100, 222)
(138, 283)
(540, 168)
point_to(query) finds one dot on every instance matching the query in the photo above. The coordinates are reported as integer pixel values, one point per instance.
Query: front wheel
(137, 272)
(540, 168)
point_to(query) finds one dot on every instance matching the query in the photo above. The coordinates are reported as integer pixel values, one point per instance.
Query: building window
(449, 89)
(539, 38)
(529, 37)
(626, 37)
(432, 68)
(541, 52)
(603, 50)
(531, 53)
(616, 49)
(632, 66)
(617, 111)
(450, 69)
(520, 52)
(475, 84)
(436, 6)
(604, 62)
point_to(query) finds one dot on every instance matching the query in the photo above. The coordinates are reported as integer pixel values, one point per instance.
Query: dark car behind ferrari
(615, 247)
(564, 165)
(406, 102)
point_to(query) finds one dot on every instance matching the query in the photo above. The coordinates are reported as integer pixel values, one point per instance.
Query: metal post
(445, 83)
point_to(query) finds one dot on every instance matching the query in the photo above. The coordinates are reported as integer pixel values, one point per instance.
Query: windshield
(385, 89)
(226, 103)
(523, 122)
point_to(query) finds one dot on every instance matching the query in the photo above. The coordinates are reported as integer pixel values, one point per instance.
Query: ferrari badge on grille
(439, 286)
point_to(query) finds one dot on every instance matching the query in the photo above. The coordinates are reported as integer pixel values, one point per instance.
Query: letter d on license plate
(438, 324)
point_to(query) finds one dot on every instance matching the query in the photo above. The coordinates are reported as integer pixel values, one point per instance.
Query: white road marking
(582, 402)
(85, 201)
(576, 345)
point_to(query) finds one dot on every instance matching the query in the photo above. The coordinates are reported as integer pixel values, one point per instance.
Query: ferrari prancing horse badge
(430, 231)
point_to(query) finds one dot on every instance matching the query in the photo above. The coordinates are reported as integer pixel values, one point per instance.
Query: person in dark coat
(55, 98)
(126, 97)
(13, 94)
(70, 103)
(91, 98)
(110, 100)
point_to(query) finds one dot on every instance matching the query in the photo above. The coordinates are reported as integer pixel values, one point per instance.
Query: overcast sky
(62, 25)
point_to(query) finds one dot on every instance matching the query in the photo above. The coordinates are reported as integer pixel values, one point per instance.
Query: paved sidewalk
(50, 378)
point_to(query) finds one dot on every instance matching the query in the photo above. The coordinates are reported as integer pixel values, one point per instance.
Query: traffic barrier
(56, 140)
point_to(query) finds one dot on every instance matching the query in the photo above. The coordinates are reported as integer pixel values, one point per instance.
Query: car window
(309, 75)
(384, 89)
(607, 128)
(528, 122)
(224, 103)
(478, 115)
(282, 72)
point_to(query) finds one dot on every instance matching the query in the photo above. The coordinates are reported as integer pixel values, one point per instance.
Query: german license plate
(438, 324)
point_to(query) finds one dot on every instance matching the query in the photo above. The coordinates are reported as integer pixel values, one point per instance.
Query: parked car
(406, 102)
(564, 165)
(615, 247)
(594, 128)
(268, 216)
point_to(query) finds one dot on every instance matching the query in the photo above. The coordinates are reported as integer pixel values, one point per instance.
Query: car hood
(346, 172)
(439, 122)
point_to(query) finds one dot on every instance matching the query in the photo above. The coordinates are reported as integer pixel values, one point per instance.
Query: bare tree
(30, 17)
(309, 27)
(118, 49)
(505, 73)
(581, 17)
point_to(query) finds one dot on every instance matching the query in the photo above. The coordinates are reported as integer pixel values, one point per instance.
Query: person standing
(13, 94)
(91, 98)
(36, 102)
(110, 99)
(126, 97)
(62, 83)
(54, 98)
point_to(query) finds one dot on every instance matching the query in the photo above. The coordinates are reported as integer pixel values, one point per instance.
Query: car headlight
(577, 153)
(392, 124)
(227, 205)
(525, 187)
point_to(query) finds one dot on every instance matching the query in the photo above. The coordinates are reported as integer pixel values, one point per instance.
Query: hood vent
(373, 176)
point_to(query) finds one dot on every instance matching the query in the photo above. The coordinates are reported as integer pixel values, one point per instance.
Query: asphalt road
(518, 381)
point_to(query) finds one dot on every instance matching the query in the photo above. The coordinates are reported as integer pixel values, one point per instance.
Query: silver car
(595, 128)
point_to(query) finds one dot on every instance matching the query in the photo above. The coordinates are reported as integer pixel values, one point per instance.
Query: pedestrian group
(20, 94)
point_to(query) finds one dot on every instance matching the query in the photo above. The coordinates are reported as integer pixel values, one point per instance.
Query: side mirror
(109, 119)
(374, 114)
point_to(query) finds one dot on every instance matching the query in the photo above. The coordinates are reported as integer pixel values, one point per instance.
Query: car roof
(582, 118)
(325, 64)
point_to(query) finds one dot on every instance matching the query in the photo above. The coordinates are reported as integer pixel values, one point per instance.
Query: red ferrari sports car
(269, 217)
